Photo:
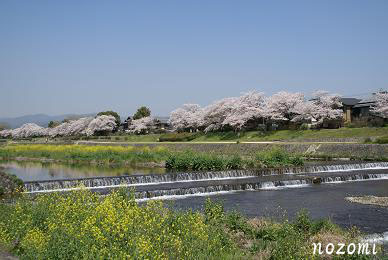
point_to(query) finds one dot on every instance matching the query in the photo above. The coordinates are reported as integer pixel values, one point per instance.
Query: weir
(265, 185)
(153, 179)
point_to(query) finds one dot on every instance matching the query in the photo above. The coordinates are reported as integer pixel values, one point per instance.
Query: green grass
(174, 160)
(280, 135)
(178, 137)
(284, 135)
(277, 157)
(122, 138)
(189, 160)
(88, 154)
(81, 225)
(382, 140)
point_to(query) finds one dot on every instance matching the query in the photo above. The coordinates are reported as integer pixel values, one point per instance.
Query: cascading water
(266, 185)
(96, 182)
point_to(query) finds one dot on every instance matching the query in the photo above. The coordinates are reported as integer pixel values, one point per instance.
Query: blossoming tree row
(381, 105)
(83, 126)
(235, 112)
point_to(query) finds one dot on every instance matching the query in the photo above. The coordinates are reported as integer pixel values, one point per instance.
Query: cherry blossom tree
(251, 105)
(216, 113)
(328, 106)
(282, 105)
(28, 130)
(60, 130)
(70, 128)
(323, 106)
(100, 124)
(305, 111)
(6, 133)
(190, 116)
(236, 112)
(381, 105)
(141, 125)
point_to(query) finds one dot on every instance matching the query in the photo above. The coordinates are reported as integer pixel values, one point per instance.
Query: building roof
(350, 101)
(162, 119)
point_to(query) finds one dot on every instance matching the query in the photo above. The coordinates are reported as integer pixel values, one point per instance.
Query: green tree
(111, 113)
(53, 124)
(142, 112)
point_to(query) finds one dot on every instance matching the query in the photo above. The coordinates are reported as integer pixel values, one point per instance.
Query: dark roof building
(350, 101)
(360, 109)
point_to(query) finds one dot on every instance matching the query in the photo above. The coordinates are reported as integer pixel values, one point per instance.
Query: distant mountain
(39, 119)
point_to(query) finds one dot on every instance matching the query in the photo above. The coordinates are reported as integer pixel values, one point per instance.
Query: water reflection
(33, 171)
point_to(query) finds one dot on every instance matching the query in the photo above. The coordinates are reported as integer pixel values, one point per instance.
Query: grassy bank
(88, 154)
(336, 135)
(189, 160)
(175, 160)
(355, 134)
(81, 225)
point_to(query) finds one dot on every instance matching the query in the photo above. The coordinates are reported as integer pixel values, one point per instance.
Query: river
(273, 196)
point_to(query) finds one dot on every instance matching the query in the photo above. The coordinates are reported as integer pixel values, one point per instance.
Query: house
(157, 125)
(348, 105)
(360, 112)
(162, 123)
(125, 125)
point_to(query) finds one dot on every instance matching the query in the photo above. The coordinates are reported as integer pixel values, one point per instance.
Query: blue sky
(61, 57)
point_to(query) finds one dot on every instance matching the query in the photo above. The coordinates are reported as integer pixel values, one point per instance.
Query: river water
(34, 171)
(273, 196)
(321, 201)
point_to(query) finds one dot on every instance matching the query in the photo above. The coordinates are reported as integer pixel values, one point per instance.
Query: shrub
(178, 137)
(189, 160)
(382, 140)
(287, 239)
(214, 212)
(80, 225)
(350, 125)
(9, 185)
(278, 157)
(304, 126)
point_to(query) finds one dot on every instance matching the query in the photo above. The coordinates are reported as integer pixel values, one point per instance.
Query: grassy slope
(252, 136)
(281, 135)
(298, 134)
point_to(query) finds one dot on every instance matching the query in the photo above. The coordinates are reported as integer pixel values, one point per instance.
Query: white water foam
(136, 184)
(377, 238)
(347, 168)
(174, 197)
(338, 181)
(291, 186)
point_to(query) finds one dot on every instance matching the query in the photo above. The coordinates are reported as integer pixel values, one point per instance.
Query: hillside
(39, 119)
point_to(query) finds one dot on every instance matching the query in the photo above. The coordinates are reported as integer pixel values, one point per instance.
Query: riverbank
(82, 224)
(325, 151)
(341, 135)
(186, 159)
